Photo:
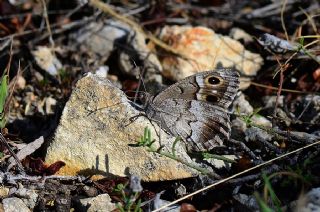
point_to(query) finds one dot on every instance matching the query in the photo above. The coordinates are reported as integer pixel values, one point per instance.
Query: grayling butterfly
(195, 108)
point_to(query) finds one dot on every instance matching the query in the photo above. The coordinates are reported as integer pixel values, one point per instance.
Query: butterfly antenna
(139, 84)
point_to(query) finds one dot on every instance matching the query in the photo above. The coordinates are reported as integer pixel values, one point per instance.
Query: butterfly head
(144, 98)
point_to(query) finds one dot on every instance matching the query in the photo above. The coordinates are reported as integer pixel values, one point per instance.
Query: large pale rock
(203, 49)
(95, 132)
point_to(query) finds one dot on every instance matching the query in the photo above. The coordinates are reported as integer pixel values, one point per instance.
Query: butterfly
(195, 108)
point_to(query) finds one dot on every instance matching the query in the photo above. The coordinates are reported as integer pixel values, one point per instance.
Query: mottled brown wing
(216, 87)
(201, 125)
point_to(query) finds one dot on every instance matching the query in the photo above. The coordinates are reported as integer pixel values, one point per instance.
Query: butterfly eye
(142, 97)
(211, 98)
(213, 80)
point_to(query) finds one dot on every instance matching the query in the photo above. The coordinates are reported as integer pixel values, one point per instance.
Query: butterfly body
(195, 108)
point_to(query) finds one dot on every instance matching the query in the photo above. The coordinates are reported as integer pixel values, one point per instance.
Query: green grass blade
(273, 195)
(263, 206)
(3, 92)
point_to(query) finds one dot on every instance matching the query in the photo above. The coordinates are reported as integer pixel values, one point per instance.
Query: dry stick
(236, 175)
(10, 59)
(45, 14)
(180, 160)
(282, 69)
(309, 36)
(299, 136)
(58, 28)
(282, 19)
(247, 150)
(308, 53)
(312, 23)
(7, 71)
(107, 9)
(4, 141)
(283, 89)
(305, 108)
(13, 178)
(11, 87)
(278, 94)
(252, 177)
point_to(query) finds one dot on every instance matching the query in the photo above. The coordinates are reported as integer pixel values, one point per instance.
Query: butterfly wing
(195, 108)
(203, 126)
(217, 87)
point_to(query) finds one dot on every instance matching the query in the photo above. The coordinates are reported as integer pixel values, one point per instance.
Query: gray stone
(95, 133)
(14, 204)
(243, 107)
(28, 196)
(99, 38)
(248, 201)
(257, 134)
(309, 202)
(99, 203)
(102, 38)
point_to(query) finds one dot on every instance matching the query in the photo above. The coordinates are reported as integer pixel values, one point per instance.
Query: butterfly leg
(160, 127)
(133, 119)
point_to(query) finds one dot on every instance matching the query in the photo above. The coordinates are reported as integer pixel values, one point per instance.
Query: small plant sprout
(130, 195)
(247, 118)
(147, 141)
(173, 149)
(207, 155)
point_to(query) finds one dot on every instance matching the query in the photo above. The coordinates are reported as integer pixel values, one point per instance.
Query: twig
(300, 136)
(73, 11)
(236, 175)
(45, 14)
(265, 142)
(305, 108)
(60, 29)
(247, 150)
(283, 89)
(284, 3)
(171, 156)
(241, 180)
(11, 87)
(282, 69)
(6, 43)
(309, 18)
(57, 26)
(269, 10)
(5, 143)
(13, 178)
(8, 67)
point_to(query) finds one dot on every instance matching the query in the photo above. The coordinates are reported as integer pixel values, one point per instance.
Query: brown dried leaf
(316, 74)
(186, 207)
(37, 166)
